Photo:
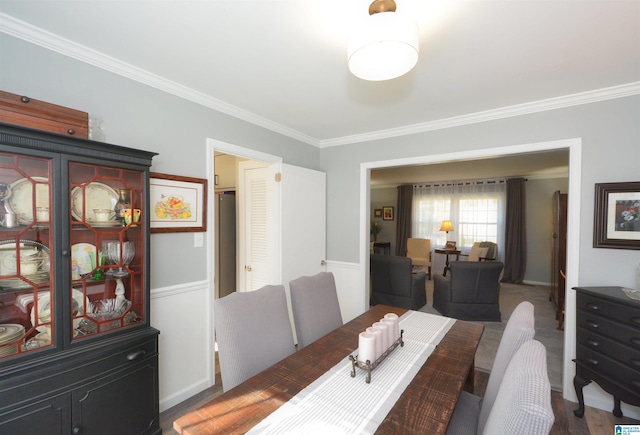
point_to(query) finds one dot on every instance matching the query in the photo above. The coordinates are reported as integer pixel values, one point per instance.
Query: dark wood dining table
(425, 406)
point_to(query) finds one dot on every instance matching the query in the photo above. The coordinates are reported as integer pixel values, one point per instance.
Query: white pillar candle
(385, 335)
(366, 347)
(378, 333)
(396, 323)
(391, 331)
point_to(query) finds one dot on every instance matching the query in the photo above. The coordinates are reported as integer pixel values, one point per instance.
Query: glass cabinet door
(107, 248)
(27, 302)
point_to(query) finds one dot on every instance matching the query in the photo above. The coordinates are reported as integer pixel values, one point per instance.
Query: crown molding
(620, 91)
(53, 42)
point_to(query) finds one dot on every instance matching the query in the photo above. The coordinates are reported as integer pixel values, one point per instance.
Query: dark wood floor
(595, 422)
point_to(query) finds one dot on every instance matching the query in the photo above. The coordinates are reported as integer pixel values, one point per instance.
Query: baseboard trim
(184, 394)
(545, 284)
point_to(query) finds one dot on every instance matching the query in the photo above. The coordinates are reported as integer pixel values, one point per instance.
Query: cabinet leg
(579, 384)
(616, 407)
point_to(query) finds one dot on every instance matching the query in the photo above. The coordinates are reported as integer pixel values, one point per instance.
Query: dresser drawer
(624, 375)
(608, 328)
(602, 307)
(608, 347)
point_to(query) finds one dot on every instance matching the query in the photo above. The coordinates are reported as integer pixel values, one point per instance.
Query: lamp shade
(384, 47)
(446, 226)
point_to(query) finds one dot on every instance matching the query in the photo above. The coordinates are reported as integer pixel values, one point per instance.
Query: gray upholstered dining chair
(315, 306)
(253, 332)
(523, 403)
(471, 413)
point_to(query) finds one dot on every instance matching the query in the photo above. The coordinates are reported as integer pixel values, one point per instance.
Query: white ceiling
(537, 165)
(282, 64)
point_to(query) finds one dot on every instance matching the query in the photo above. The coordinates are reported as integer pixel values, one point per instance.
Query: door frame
(573, 226)
(214, 145)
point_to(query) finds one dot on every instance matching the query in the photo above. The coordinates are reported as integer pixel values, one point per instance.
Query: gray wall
(138, 116)
(610, 134)
(538, 223)
(381, 198)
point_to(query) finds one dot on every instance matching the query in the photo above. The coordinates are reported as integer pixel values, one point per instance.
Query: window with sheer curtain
(476, 209)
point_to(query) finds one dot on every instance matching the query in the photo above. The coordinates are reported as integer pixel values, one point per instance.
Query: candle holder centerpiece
(367, 365)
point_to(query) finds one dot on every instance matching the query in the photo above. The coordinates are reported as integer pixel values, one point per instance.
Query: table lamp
(446, 226)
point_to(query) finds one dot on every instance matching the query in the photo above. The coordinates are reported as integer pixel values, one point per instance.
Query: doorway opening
(223, 160)
(574, 146)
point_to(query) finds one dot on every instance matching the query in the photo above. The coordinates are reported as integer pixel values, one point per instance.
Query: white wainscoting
(183, 315)
(350, 295)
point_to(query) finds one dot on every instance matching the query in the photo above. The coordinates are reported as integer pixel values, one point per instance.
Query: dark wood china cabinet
(77, 352)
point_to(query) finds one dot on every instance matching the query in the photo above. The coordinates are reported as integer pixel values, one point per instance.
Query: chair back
(419, 250)
(475, 282)
(253, 332)
(523, 403)
(483, 251)
(315, 306)
(392, 283)
(520, 328)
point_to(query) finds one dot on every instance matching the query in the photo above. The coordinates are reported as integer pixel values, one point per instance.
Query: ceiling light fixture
(385, 46)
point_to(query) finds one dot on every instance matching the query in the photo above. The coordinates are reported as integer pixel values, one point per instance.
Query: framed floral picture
(617, 216)
(387, 213)
(178, 204)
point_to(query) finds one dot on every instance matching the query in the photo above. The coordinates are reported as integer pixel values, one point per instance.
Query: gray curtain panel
(515, 256)
(403, 224)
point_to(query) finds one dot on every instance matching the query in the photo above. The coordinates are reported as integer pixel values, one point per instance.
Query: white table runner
(336, 403)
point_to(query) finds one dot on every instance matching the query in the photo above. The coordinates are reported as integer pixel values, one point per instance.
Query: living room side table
(448, 252)
(384, 246)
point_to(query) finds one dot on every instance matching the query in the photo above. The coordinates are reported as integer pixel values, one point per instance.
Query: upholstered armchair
(487, 251)
(392, 283)
(470, 292)
(419, 251)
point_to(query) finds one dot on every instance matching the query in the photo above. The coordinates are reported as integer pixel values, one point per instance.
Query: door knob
(247, 268)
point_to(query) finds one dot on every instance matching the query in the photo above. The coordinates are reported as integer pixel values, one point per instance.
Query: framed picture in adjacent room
(387, 213)
(377, 213)
(617, 216)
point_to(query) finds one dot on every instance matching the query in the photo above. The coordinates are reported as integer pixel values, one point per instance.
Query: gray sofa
(392, 283)
(470, 292)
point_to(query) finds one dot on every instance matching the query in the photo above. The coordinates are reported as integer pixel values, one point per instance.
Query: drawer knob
(593, 343)
(71, 131)
(592, 361)
(25, 99)
(135, 355)
(592, 306)
(77, 429)
(592, 324)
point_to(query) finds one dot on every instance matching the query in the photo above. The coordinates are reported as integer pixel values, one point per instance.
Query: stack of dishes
(10, 332)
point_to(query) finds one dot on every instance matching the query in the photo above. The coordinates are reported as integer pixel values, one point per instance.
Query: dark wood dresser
(608, 345)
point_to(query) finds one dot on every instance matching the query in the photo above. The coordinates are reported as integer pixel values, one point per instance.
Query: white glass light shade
(384, 47)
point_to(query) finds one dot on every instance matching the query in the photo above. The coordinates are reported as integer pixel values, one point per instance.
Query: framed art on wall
(387, 213)
(617, 215)
(377, 212)
(178, 204)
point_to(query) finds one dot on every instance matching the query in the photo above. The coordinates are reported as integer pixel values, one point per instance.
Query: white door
(282, 223)
(257, 262)
(303, 196)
